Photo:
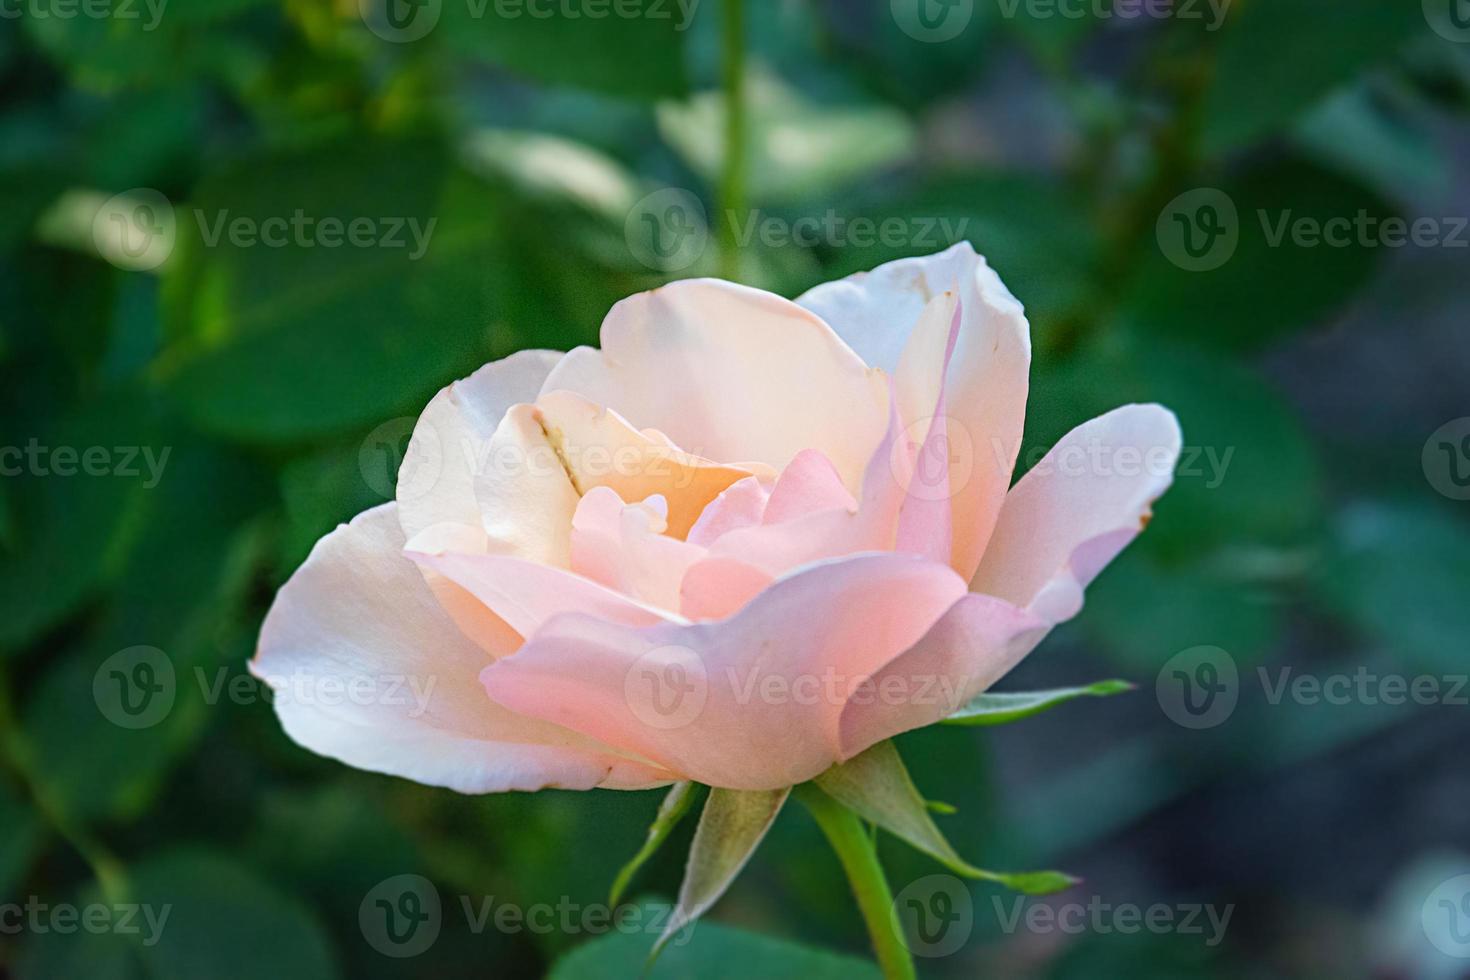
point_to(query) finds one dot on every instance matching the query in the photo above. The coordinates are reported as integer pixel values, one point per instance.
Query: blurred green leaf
(21, 840)
(1279, 57)
(225, 921)
(712, 952)
(292, 334)
(1401, 574)
(1289, 268)
(1380, 138)
(1144, 611)
(1248, 473)
(55, 955)
(631, 56)
(76, 515)
(1005, 707)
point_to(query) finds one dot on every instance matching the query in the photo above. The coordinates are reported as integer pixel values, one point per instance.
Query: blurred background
(246, 240)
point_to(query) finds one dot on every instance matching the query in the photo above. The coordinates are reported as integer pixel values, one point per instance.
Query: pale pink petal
(623, 547)
(809, 484)
(366, 668)
(833, 533)
(1077, 508)
(732, 373)
(742, 504)
(716, 587)
(877, 312)
(526, 594)
(436, 480)
(977, 641)
(925, 521)
(748, 702)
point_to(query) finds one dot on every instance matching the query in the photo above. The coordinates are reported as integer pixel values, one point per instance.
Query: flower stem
(855, 849)
(731, 198)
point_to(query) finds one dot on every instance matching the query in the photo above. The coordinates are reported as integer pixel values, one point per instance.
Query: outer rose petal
(369, 670)
(756, 698)
(973, 645)
(985, 391)
(436, 483)
(732, 373)
(1077, 508)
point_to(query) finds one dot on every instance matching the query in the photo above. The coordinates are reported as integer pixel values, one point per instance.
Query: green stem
(859, 857)
(731, 198)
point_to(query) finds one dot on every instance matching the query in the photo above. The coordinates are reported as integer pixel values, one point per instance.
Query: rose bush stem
(732, 179)
(859, 856)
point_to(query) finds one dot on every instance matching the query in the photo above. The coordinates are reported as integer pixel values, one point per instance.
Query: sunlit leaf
(681, 797)
(876, 786)
(1004, 707)
(730, 829)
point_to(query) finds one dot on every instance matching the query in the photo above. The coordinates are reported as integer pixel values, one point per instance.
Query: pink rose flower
(741, 543)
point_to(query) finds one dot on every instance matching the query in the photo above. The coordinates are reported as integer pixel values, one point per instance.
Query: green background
(282, 380)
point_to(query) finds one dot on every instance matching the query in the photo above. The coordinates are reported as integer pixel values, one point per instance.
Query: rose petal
(367, 669)
(623, 547)
(436, 480)
(732, 373)
(749, 702)
(876, 313)
(1077, 508)
(975, 643)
